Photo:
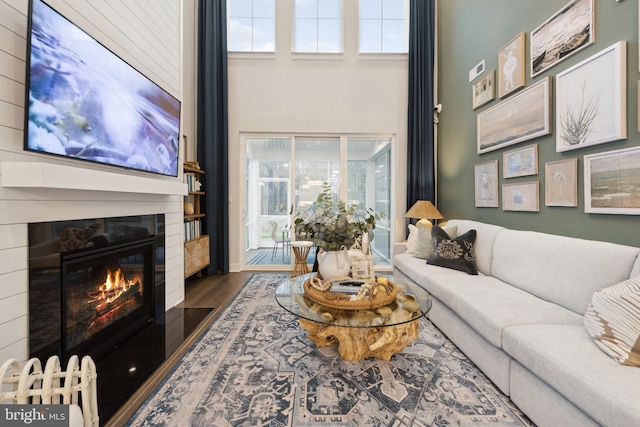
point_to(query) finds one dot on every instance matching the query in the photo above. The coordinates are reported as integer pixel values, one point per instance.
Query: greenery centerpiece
(333, 225)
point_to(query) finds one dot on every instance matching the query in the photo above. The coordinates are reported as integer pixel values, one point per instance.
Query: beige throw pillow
(424, 246)
(613, 321)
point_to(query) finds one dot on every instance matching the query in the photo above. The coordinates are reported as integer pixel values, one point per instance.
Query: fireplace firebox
(107, 295)
(94, 283)
(97, 287)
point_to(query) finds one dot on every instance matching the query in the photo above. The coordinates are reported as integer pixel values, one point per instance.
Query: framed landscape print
(511, 66)
(561, 183)
(611, 182)
(520, 162)
(567, 32)
(591, 100)
(522, 196)
(486, 184)
(484, 90)
(519, 118)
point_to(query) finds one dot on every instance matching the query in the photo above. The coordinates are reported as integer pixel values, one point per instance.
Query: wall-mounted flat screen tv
(85, 102)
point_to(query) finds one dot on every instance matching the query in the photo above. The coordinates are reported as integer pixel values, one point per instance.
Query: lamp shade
(423, 209)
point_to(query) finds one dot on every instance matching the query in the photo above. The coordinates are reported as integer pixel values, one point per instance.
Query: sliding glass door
(286, 174)
(369, 184)
(317, 161)
(267, 201)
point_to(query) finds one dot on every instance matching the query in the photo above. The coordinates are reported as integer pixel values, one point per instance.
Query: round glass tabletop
(290, 295)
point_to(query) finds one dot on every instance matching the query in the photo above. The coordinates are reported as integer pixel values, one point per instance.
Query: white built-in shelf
(49, 175)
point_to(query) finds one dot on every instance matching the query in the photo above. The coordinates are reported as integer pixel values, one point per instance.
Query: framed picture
(520, 162)
(561, 183)
(522, 196)
(611, 182)
(486, 184)
(362, 268)
(591, 100)
(511, 66)
(519, 118)
(484, 90)
(567, 32)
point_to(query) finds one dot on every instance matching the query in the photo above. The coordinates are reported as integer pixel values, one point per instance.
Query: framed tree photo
(511, 66)
(591, 100)
(486, 184)
(561, 183)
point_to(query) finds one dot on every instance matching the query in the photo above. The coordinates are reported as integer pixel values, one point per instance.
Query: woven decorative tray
(342, 301)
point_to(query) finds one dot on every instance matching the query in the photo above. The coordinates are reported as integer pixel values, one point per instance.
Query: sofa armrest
(399, 248)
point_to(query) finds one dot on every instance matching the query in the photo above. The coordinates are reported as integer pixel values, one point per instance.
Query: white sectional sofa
(520, 320)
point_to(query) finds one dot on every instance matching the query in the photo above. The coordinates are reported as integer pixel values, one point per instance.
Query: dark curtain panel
(212, 128)
(420, 139)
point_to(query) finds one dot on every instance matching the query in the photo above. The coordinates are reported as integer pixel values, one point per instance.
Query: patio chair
(282, 239)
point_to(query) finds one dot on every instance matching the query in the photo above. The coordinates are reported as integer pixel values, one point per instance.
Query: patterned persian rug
(255, 367)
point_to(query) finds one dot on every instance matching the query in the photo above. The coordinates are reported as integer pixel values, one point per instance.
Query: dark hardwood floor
(213, 291)
(200, 292)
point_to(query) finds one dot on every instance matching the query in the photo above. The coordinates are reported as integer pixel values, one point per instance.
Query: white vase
(332, 264)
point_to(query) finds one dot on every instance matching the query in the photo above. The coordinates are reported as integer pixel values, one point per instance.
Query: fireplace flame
(113, 299)
(115, 285)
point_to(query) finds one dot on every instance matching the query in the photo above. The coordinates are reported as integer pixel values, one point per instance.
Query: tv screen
(85, 102)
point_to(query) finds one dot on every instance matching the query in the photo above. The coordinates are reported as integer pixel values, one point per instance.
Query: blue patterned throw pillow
(456, 253)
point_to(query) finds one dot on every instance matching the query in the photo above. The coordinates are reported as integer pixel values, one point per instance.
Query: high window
(318, 26)
(384, 26)
(251, 26)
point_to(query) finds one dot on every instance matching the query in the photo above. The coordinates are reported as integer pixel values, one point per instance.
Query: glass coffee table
(366, 332)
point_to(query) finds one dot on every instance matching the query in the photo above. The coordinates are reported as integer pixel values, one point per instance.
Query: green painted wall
(470, 31)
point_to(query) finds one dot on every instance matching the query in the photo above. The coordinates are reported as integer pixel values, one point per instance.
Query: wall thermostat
(476, 71)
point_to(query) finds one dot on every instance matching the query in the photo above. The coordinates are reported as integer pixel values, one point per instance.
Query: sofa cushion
(613, 321)
(489, 305)
(485, 237)
(416, 269)
(635, 271)
(456, 253)
(568, 360)
(560, 269)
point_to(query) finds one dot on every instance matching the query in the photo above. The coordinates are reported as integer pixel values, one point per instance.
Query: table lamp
(424, 211)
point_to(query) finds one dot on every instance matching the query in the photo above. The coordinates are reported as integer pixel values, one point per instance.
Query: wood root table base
(357, 343)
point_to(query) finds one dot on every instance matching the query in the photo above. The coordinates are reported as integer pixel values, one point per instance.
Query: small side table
(301, 250)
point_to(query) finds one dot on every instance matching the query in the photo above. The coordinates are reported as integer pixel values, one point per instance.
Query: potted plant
(334, 227)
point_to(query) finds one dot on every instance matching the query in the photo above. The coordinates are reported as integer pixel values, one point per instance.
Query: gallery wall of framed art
(583, 56)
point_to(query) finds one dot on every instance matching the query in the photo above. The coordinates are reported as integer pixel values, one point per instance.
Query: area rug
(254, 366)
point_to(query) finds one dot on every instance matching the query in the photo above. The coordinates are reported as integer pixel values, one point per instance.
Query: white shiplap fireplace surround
(54, 192)
(38, 188)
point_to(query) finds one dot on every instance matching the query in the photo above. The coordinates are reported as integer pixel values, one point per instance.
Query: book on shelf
(192, 229)
(191, 180)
